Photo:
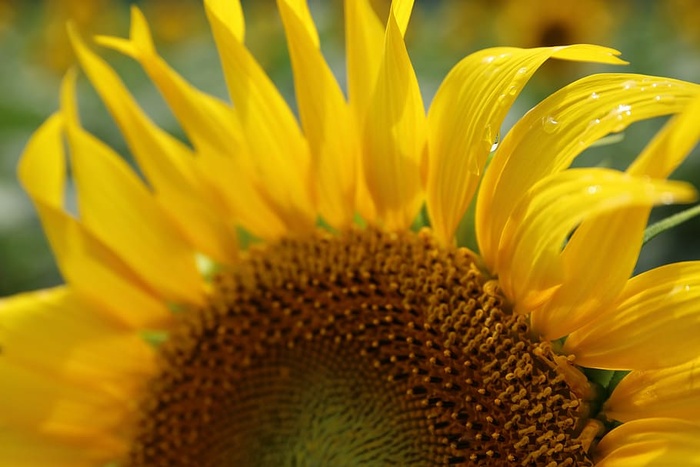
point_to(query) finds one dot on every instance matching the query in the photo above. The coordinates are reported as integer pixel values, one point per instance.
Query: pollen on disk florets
(365, 348)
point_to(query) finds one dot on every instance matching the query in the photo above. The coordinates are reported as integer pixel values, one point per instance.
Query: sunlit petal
(465, 118)
(118, 208)
(528, 261)
(656, 442)
(394, 136)
(325, 117)
(658, 309)
(167, 163)
(668, 392)
(276, 145)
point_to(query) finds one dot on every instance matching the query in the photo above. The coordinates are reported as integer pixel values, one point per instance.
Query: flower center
(365, 348)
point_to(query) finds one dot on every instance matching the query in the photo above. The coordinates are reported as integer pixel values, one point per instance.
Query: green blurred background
(655, 37)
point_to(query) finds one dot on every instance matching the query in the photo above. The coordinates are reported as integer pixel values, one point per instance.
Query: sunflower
(257, 295)
(554, 22)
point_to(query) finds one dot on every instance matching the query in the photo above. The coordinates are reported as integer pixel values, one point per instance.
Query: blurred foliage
(655, 37)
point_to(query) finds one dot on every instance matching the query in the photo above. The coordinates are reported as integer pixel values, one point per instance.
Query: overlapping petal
(121, 212)
(326, 118)
(659, 309)
(549, 137)
(274, 139)
(529, 268)
(167, 163)
(668, 392)
(617, 237)
(659, 442)
(465, 119)
(393, 135)
(70, 374)
(214, 130)
(364, 37)
(87, 264)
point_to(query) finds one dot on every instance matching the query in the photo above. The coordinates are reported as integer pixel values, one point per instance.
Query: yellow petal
(167, 163)
(213, 127)
(591, 281)
(394, 136)
(657, 442)
(303, 22)
(549, 137)
(85, 262)
(325, 117)
(280, 152)
(123, 214)
(30, 449)
(669, 392)
(564, 125)
(465, 118)
(43, 177)
(528, 261)
(68, 372)
(673, 143)
(364, 39)
(402, 13)
(61, 335)
(231, 13)
(656, 310)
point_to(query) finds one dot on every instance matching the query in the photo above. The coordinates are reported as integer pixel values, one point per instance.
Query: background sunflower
(655, 37)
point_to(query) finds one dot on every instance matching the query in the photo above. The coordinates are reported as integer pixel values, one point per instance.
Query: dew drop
(550, 124)
(664, 99)
(595, 96)
(496, 142)
(620, 114)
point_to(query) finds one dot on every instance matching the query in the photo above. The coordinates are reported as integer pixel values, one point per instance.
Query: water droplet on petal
(620, 114)
(664, 99)
(496, 141)
(550, 124)
(629, 84)
(595, 96)
(593, 189)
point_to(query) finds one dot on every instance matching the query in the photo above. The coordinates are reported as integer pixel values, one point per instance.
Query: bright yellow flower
(172, 344)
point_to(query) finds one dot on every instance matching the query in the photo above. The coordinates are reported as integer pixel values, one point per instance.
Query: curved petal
(394, 136)
(616, 237)
(465, 118)
(528, 261)
(325, 117)
(549, 137)
(167, 163)
(86, 263)
(659, 309)
(657, 442)
(280, 152)
(215, 131)
(120, 211)
(669, 392)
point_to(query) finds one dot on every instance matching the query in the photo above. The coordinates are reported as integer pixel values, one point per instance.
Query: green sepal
(600, 377)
